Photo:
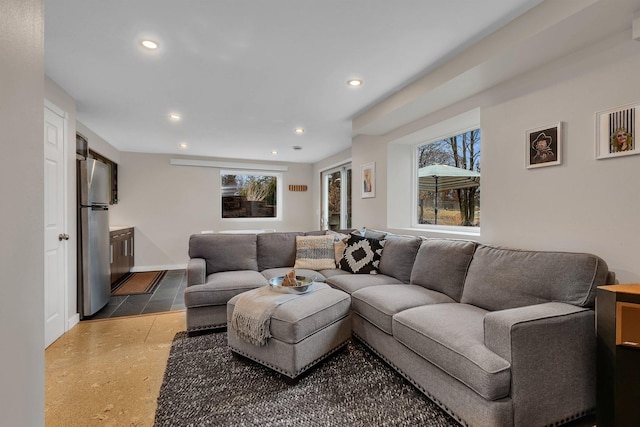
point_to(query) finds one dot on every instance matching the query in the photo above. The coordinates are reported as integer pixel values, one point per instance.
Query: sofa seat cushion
(451, 336)
(352, 282)
(378, 304)
(333, 272)
(301, 317)
(277, 272)
(221, 287)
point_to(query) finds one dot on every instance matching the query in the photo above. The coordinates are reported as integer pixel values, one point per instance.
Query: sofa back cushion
(277, 250)
(225, 252)
(501, 278)
(441, 265)
(398, 256)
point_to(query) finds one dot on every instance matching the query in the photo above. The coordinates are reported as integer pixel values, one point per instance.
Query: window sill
(471, 232)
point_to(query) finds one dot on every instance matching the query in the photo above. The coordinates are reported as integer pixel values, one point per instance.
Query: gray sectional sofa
(495, 336)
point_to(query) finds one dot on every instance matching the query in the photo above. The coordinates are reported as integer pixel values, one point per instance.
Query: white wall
(21, 212)
(370, 212)
(167, 203)
(584, 204)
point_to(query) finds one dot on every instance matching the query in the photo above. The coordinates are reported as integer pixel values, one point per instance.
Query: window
(250, 195)
(448, 181)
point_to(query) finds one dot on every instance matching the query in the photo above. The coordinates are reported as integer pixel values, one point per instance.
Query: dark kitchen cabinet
(618, 352)
(122, 252)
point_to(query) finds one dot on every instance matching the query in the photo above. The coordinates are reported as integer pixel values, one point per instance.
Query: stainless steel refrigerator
(94, 274)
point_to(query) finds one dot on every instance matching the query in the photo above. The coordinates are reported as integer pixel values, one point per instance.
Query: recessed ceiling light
(175, 116)
(298, 131)
(354, 82)
(274, 152)
(183, 146)
(149, 44)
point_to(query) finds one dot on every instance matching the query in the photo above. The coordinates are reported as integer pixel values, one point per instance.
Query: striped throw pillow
(315, 252)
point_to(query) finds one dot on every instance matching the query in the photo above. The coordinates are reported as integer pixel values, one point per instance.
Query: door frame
(324, 196)
(65, 210)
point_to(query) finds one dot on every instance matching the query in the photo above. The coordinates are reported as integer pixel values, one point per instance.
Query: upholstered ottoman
(304, 331)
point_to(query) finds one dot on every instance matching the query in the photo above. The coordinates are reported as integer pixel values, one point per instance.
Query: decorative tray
(304, 283)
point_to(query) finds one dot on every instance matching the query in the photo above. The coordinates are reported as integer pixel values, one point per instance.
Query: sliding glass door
(336, 198)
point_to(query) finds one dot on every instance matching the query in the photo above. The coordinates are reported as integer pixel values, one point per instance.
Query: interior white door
(55, 235)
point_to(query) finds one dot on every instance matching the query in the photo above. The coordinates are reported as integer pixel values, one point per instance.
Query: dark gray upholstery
(551, 348)
(451, 336)
(398, 256)
(225, 252)
(222, 286)
(495, 336)
(500, 278)
(276, 250)
(378, 304)
(441, 265)
(304, 331)
(334, 272)
(352, 282)
(196, 271)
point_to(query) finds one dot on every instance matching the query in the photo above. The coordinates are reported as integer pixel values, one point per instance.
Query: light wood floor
(108, 372)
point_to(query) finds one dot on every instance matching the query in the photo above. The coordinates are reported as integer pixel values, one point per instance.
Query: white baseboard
(141, 268)
(73, 321)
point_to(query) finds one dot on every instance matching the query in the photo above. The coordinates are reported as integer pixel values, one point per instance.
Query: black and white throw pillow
(362, 255)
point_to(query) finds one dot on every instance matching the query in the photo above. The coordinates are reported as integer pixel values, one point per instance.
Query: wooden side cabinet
(122, 252)
(618, 355)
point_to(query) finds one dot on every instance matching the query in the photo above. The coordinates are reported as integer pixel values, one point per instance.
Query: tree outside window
(249, 196)
(449, 181)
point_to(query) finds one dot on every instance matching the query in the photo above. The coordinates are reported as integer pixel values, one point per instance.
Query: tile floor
(167, 296)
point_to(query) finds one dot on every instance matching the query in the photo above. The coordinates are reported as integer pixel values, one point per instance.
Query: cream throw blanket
(251, 318)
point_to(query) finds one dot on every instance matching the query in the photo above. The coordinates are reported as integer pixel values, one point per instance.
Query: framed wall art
(615, 132)
(544, 146)
(368, 180)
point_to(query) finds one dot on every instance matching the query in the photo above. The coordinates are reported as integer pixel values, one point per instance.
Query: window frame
(279, 195)
(457, 229)
(346, 197)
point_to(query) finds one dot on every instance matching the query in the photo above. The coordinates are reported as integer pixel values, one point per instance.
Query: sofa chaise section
(515, 347)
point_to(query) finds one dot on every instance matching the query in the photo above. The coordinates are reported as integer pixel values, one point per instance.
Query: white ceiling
(244, 73)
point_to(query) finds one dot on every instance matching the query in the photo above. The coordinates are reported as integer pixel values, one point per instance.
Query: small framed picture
(368, 180)
(615, 132)
(544, 146)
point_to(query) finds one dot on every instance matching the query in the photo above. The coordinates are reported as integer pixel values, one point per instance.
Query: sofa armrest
(196, 271)
(552, 351)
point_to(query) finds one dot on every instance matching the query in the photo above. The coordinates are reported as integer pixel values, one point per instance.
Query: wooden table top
(631, 288)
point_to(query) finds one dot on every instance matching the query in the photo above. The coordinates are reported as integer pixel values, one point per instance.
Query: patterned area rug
(138, 283)
(204, 385)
